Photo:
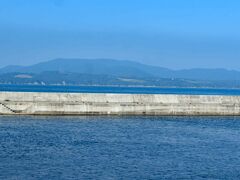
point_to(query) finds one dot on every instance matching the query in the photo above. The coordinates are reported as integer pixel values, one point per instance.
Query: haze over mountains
(123, 68)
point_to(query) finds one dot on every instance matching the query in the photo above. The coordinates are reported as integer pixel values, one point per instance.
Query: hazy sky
(169, 33)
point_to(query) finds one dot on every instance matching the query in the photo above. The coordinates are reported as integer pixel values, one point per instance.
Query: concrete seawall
(17, 103)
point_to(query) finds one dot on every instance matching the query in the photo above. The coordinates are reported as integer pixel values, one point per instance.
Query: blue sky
(170, 33)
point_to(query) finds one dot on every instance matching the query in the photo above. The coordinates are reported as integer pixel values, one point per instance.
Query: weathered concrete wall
(88, 103)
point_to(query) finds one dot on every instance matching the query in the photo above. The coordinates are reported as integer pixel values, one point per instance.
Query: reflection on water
(119, 147)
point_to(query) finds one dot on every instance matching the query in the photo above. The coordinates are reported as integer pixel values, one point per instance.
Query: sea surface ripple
(119, 147)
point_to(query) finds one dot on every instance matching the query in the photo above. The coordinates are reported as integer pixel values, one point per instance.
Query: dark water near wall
(119, 147)
(133, 90)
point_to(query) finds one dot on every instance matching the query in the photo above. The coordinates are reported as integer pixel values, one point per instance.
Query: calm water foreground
(99, 147)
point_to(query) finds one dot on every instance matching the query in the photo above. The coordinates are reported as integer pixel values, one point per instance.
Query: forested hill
(122, 68)
(115, 72)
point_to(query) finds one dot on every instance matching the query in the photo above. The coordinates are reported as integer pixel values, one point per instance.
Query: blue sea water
(119, 147)
(108, 89)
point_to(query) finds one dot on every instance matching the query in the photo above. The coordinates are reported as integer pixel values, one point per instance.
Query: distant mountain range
(115, 72)
(122, 68)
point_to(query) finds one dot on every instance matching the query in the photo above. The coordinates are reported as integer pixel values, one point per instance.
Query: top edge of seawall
(118, 94)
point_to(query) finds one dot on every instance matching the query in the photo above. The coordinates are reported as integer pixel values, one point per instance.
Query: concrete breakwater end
(25, 103)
